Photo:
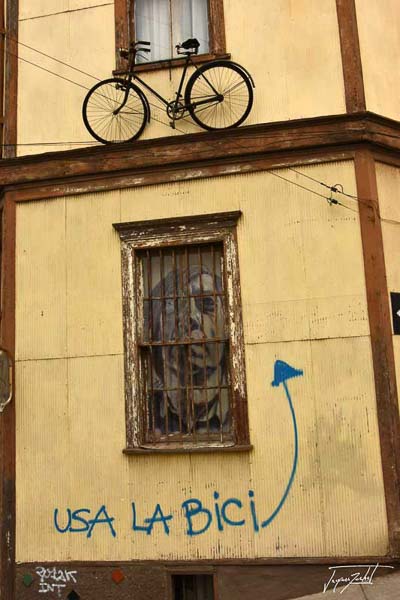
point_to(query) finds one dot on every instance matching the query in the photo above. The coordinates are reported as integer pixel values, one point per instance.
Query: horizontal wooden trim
(199, 223)
(386, 157)
(172, 63)
(243, 143)
(295, 560)
(182, 569)
(89, 184)
(188, 450)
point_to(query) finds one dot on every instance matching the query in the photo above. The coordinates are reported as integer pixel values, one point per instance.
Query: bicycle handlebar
(133, 49)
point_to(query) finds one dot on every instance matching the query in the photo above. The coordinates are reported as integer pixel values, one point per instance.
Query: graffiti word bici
(198, 517)
(53, 579)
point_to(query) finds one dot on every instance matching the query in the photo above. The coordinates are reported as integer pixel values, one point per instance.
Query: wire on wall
(334, 189)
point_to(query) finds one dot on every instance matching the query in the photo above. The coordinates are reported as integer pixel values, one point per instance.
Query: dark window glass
(192, 587)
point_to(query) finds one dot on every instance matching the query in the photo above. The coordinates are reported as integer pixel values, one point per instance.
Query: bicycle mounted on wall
(218, 95)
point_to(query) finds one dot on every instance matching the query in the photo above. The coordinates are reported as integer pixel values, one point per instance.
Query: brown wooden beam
(11, 80)
(198, 563)
(221, 147)
(387, 157)
(122, 10)
(351, 56)
(381, 340)
(135, 178)
(2, 65)
(7, 418)
(216, 26)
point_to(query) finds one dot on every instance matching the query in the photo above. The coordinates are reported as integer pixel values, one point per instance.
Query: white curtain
(153, 19)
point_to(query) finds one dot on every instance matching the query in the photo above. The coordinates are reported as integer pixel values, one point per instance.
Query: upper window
(166, 22)
(184, 368)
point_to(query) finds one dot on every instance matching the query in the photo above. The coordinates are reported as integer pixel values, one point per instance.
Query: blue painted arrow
(283, 372)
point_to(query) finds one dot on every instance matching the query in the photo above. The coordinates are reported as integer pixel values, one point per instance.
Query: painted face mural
(187, 367)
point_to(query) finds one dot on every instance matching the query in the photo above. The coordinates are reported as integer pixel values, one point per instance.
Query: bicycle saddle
(191, 43)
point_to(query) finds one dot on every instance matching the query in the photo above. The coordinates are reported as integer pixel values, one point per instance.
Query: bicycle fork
(124, 101)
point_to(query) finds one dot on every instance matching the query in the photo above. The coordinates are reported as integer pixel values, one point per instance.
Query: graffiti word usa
(53, 579)
(76, 523)
(198, 518)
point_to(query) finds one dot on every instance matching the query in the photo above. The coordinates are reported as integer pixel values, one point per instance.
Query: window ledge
(187, 449)
(171, 63)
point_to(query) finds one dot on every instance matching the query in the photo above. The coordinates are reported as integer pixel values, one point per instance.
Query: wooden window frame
(125, 34)
(183, 231)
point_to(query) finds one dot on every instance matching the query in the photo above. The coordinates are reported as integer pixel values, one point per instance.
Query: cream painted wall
(303, 295)
(388, 179)
(379, 34)
(49, 108)
(291, 47)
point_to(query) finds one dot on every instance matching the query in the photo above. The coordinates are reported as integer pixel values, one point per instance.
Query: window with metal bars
(184, 345)
(184, 358)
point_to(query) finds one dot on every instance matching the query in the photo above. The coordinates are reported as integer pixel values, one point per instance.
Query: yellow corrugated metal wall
(283, 44)
(303, 295)
(378, 23)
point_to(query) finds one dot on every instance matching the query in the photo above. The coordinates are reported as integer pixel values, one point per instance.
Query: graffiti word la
(198, 518)
(54, 579)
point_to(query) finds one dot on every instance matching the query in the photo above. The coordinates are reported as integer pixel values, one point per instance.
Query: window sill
(171, 63)
(187, 449)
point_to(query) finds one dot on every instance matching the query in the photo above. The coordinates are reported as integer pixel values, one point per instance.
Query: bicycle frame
(131, 75)
(216, 94)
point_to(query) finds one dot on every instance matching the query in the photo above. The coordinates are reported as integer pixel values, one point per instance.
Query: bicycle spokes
(219, 95)
(114, 111)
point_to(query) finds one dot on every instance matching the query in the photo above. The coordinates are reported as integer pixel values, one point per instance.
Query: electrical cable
(303, 135)
(79, 85)
(55, 59)
(47, 70)
(329, 200)
(334, 188)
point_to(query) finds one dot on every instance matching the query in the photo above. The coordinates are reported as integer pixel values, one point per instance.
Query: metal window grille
(184, 343)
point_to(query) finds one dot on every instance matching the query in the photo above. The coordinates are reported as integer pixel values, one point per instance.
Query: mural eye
(208, 305)
(169, 306)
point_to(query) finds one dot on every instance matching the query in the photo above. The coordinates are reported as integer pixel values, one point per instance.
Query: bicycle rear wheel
(219, 95)
(100, 104)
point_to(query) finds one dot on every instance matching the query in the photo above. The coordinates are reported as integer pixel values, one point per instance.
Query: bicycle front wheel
(111, 115)
(219, 95)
